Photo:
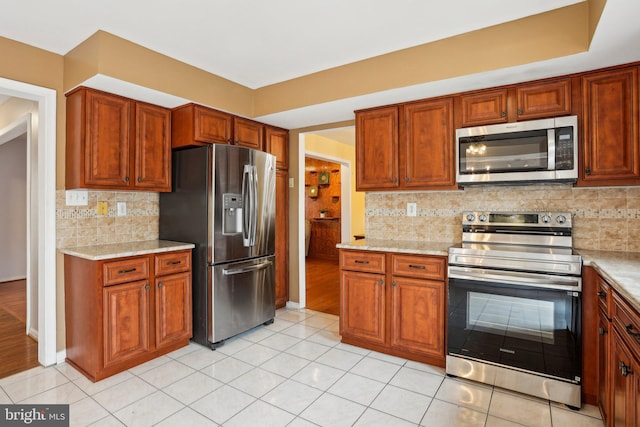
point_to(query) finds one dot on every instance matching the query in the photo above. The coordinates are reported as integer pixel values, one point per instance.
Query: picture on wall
(323, 178)
(313, 191)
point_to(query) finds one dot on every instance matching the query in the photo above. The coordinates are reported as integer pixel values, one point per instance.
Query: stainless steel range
(515, 304)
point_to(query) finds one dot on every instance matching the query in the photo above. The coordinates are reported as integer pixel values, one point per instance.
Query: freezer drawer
(242, 296)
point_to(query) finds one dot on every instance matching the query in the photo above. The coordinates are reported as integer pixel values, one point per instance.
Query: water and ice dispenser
(232, 214)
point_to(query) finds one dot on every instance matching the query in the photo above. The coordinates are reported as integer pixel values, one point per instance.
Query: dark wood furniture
(394, 303)
(125, 311)
(116, 143)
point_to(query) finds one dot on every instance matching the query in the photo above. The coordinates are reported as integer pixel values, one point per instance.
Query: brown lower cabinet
(125, 311)
(394, 303)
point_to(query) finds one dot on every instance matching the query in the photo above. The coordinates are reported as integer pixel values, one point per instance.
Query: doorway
(41, 234)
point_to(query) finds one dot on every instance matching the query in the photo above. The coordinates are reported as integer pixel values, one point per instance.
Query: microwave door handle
(551, 144)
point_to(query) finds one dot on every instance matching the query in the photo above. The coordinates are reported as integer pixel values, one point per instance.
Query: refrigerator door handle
(254, 204)
(246, 204)
(232, 271)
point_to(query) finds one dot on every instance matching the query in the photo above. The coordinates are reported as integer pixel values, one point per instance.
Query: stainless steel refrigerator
(223, 201)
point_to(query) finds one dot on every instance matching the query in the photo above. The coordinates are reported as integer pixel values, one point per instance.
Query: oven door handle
(517, 278)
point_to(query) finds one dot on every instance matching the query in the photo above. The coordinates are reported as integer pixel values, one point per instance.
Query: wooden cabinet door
(247, 133)
(277, 143)
(282, 238)
(484, 108)
(549, 99)
(611, 152)
(362, 306)
(428, 143)
(377, 149)
(212, 126)
(622, 384)
(173, 308)
(603, 364)
(417, 315)
(126, 321)
(152, 147)
(106, 145)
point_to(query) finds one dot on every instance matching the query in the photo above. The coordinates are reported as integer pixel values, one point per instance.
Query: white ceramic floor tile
(436, 370)
(68, 371)
(340, 359)
(167, 374)
(201, 358)
(373, 418)
(317, 321)
(325, 337)
(148, 410)
(257, 382)
(387, 358)
(92, 388)
(63, 394)
(444, 414)
(257, 334)
(300, 330)
(465, 394)
(186, 417)
(4, 398)
(334, 327)
(375, 369)
(21, 376)
(227, 370)
(85, 411)
(279, 341)
(567, 417)
(402, 403)
(301, 422)
(499, 422)
(318, 376)
(279, 325)
(123, 394)
(34, 384)
(353, 349)
(233, 346)
(520, 410)
(260, 414)
(294, 316)
(308, 350)
(292, 396)
(589, 410)
(285, 364)
(222, 404)
(153, 363)
(108, 421)
(191, 347)
(357, 388)
(418, 381)
(192, 388)
(256, 355)
(333, 411)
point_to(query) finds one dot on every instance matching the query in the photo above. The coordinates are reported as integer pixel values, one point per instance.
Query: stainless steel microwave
(522, 152)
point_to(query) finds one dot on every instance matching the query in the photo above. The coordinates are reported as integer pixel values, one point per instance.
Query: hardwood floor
(323, 285)
(18, 351)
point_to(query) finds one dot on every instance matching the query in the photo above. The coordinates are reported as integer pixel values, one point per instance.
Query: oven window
(515, 152)
(533, 329)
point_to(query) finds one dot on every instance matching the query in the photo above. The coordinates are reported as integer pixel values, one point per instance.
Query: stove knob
(546, 219)
(471, 217)
(483, 218)
(561, 219)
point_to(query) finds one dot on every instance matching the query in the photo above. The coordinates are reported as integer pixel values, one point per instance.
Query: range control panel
(515, 219)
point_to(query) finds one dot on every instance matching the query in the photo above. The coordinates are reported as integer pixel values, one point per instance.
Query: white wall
(13, 209)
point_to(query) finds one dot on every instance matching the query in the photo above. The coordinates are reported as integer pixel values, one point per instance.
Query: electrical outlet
(77, 197)
(103, 208)
(412, 209)
(122, 208)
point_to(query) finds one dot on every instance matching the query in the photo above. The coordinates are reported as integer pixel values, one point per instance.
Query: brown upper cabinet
(116, 143)
(519, 102)
(277, 143)
(194, 125)
(393, 145)
(611, 149)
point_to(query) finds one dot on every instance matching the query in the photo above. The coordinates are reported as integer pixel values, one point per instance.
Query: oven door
(533, 327)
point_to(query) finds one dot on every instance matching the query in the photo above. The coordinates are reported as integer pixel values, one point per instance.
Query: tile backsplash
(82, 226)
(605, 218)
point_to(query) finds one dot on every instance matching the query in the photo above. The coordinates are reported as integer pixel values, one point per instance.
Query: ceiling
(257, 43)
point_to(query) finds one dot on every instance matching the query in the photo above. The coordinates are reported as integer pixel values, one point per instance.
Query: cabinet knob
(160, 284)
(395, 180)
(519, 110)
(393, 284)
(602, 294)
(229, 141)
(629, 329)
(624, 369)
(146, 288)
(602, 331)
(587, 171)
(237, 142)
(502, 114)
(126, 178)
(139, 179)
(381, 282)
(406, 179)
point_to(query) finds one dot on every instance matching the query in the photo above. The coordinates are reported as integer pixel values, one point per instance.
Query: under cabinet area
(394, 303)
(124, 311)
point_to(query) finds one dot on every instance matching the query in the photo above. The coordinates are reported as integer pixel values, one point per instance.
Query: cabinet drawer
(605, 301)
(126, 270)
(172, 262)
(418, 266)
(627, 321)
(368, 262)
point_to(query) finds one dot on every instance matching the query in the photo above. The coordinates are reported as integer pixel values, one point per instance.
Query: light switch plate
(292, 182)
(412, 209)
(122, 208)
(77, 197)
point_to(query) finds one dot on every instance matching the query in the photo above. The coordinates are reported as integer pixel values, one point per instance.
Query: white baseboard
(33, 333)
(61, 356)
(293, 305)
(11, 279)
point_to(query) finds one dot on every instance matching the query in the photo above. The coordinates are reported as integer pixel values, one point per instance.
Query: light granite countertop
(400, 246)
(120, 250)
(620, 269)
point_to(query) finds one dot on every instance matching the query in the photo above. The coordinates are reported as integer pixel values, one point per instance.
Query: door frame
(345, 210)
(42, 174)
